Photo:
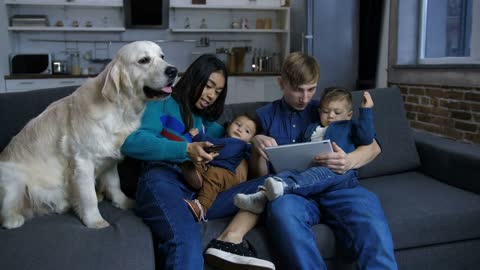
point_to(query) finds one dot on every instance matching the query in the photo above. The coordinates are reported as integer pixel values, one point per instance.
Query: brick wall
(452, 112)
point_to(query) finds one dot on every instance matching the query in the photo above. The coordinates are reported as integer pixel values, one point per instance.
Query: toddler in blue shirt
(220, 173)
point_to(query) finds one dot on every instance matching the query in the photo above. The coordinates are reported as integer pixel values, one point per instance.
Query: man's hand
(336, 161)
(260, 142)
(367, 101)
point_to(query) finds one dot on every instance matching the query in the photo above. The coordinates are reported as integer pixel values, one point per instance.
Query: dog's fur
(52, 164)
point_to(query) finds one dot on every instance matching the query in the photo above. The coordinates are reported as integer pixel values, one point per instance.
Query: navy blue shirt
(285, 124)
(348, 134)
(230, 156)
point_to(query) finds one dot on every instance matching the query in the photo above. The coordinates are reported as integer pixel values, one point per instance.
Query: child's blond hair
(299, 68)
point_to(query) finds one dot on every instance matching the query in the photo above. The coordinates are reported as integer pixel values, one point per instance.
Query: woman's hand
(336, 161)
(196, 152)
(259, 143)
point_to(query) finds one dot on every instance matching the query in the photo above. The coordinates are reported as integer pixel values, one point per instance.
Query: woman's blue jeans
(160, 204)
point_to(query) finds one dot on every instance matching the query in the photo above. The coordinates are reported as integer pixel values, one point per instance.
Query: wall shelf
(223, 18)
(232, 7)
(113, 3)
(227, 30)
(65, 29)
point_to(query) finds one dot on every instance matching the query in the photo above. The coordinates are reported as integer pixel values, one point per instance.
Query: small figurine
(75, 24)
(187, 23)
(88, 24)
(59, 23)
(203, 24)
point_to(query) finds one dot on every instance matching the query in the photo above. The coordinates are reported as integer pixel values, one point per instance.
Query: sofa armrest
(449, 161)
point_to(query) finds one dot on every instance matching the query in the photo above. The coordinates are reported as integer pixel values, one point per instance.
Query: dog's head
(139, 70)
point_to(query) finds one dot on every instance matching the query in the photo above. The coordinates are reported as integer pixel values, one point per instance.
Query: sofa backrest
(399, 152)
(398, 147)
(17, 108)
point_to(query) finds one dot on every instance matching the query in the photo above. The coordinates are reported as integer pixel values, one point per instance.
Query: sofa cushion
(399, 153)
(63, 242)
(422, 211)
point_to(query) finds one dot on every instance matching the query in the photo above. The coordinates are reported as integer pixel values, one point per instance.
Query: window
(450, 32)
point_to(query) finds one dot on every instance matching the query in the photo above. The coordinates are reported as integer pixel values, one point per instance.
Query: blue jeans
(160, 204)
(354, 215)
(316, 180)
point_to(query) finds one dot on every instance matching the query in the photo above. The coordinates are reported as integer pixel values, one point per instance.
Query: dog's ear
(111, 85)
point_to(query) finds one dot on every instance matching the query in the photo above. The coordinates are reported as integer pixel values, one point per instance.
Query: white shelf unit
(66, 29)
(105, 16)
(219, 18)
(100, 3)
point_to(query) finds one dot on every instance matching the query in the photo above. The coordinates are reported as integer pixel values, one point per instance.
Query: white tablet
(298, 156)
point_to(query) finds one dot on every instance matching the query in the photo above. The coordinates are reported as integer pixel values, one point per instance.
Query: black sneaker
(229, 256)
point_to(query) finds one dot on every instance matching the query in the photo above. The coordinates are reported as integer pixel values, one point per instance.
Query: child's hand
(367, 101)
(193, 132)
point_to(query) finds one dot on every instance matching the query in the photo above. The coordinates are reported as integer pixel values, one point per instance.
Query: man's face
(298, 97)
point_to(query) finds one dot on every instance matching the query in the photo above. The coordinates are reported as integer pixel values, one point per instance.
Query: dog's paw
(13, 221)
(125, 204)
(94, 220)
(97, 224)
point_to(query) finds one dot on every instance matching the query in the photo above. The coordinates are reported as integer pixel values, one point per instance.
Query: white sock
(254, 203)
(273, 188)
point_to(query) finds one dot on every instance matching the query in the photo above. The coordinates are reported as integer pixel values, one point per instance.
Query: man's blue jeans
(160, 204)
(354, 215)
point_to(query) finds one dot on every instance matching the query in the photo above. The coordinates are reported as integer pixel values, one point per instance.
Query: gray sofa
(429, 188)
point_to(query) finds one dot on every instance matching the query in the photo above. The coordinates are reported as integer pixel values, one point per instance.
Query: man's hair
(336, 93)
(299, 68)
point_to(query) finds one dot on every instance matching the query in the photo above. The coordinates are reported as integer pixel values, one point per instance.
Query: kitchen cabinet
(75, 15)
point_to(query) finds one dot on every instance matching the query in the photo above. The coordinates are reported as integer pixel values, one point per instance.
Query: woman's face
(213, 88)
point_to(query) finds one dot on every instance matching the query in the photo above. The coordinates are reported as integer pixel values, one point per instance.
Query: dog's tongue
(167, 89)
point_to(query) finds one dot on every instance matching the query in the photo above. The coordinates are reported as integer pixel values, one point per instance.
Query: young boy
(335, 113)
(220, 173)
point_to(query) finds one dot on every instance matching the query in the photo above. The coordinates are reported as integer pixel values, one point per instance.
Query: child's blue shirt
(230, 155)
(348, 134)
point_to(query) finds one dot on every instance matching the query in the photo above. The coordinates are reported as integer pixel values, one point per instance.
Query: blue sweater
(231, 154)
(348, 133)
(162, 136)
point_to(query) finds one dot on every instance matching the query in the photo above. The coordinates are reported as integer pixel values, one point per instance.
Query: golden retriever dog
(53, 163)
